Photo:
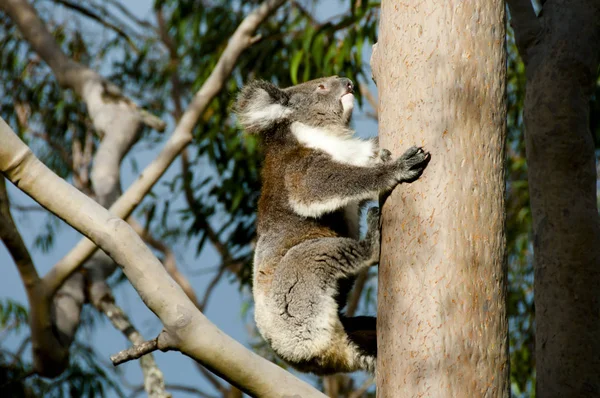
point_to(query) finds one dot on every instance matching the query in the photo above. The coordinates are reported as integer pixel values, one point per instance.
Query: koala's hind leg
(372, 239)
(309, 272)
(335, 257)
(304, 289)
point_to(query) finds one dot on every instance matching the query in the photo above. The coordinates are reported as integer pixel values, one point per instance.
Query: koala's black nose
(348, 84)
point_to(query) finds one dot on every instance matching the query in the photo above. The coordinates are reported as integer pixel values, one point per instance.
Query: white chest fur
(341, 147)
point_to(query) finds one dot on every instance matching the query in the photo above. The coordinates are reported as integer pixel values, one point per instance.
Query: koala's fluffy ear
(260, 105)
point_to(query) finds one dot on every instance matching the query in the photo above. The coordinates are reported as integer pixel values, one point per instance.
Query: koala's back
(275, 214)
(279, 228)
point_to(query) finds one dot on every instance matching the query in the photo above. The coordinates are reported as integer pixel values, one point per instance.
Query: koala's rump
(295, 308)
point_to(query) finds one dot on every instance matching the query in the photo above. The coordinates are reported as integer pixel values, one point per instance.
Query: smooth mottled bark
(442, 326)
(561, 51)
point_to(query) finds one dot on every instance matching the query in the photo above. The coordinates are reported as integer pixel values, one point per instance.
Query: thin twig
(21, 350)
(27, 208)
(174, 60)
(212, 236)
(125, 11)
(362, 389)
(104, 301)
(92, 15)
(211, 378)
(364, 90)
(134, 352)
(213, 283)
(58, 148)
(359, 285)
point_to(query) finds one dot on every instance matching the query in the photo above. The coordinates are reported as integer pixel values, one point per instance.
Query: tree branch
(526, 26)
(180, 317)
(124, 206)
(104, 301)
(169, 260)
(44, 339)
(19, 352)
(82, 156)
(175, 387)
(102, 98)
(171, 266)
(27, 208)
(117, 120)
(9, 234)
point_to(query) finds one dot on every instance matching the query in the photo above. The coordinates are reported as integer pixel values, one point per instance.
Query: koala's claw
(414, 161)
(410, 152)
(415, 157)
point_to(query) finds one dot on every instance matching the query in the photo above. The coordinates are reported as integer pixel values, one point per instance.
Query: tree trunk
(442, 326)
(561, 54)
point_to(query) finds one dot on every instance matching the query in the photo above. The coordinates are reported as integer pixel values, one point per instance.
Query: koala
(316, 175)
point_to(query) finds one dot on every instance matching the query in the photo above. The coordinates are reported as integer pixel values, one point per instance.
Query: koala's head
(321, 102)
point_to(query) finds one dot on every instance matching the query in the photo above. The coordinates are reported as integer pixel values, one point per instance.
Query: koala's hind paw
(412, 164)
(373, 218)
(373, 238)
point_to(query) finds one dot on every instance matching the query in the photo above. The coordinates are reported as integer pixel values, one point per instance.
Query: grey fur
(315, 176)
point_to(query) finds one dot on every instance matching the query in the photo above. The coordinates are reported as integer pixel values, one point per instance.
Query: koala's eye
(322, 87)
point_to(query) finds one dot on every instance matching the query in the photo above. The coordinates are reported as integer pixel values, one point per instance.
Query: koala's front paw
(412, 163)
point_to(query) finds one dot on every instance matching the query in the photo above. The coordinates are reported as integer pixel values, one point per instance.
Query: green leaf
(239, 195)
(331, 52)
(307, 38)
(294, 65)
(317, 51)
(358, 49)
(307, 68)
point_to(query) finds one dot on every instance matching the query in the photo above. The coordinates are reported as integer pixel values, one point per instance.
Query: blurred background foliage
(161, 61)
